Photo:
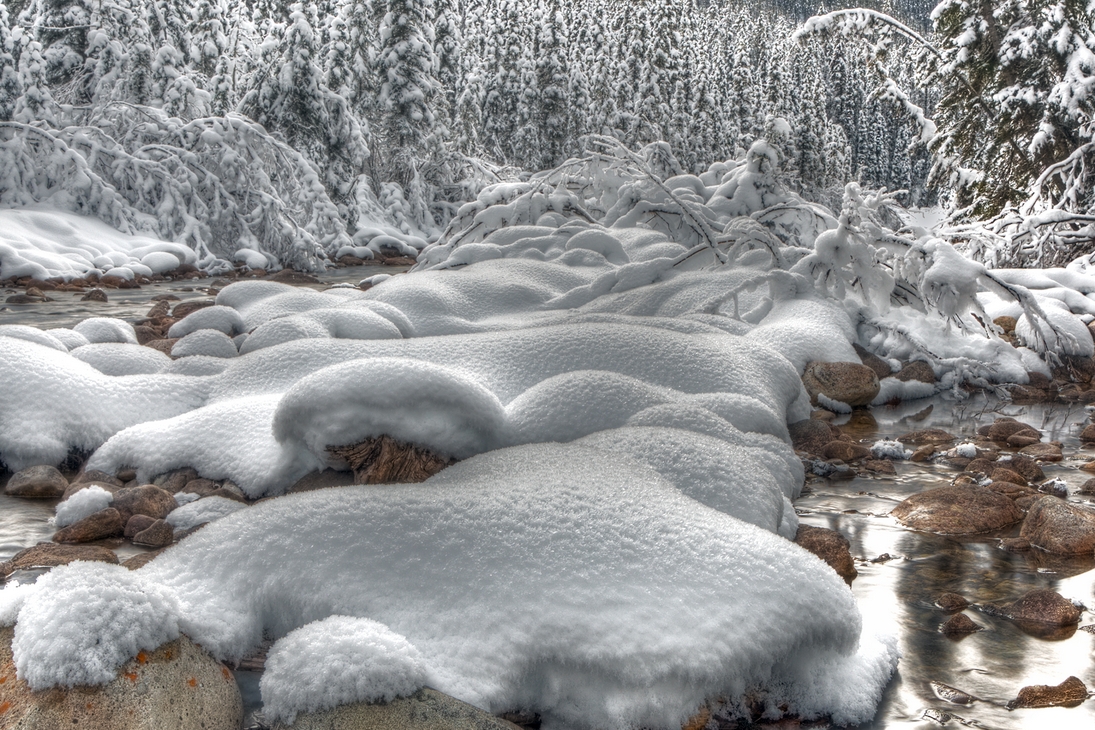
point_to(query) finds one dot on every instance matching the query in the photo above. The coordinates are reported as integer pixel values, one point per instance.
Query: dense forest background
(294, 127)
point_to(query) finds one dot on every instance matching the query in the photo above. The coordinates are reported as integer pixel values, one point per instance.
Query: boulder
(1021, 440)
(1015, 545)
(847, 382)
(77, 486)
(99, 477)
(146, 499)
(37, 482)
(426, 709)
(1043, 607)
(1025, 466)
(177, 686)
(104, 523)
(1088, 434)
(918, 371)
(184, 308)
(927, 436)
(880, 466)
(810, 435)
(957, 510)
(845, 451)
(174, 481)
(50, 555)
(1068, 693)
(830, 546)
(880, 367)
(159, 534)
(137, 523)
(1003, 474)
(1060, 527)
(1042, 452)
(384, 460)
(951, 602)
(923, 453)
(1010, 489)
(94, 295)
(1002, 428)
(959, 624)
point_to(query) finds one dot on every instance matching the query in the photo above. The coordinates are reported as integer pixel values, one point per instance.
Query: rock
(234, 495)
(1041, 606)
(1011, 491)
(957, 510)
(322, 480)
(1087, 487)
(880, 466)
(288, 276)
(880, 367)
(917, 370)
(146, 499)
(174, 481)
(184, 308)
(146, 334)
(1070, 692)
(951, 694)
(1028, 394)
(932, 436)
(1026, 502)
(140, 560)
(959, 624)
(923, 453)
(99, 477)
(37, 482)
(1015, 545)
(1007, 324)
(24, 299)
(94, 295)
(163, 346)
(426, 709)
(159, 310)
(1042, 452)
(201, 487)
(104, 523)
(1088, 434)
(126, 475)
(951, 602)
(159, 534)
(383, 460)
(50, 555)
(1003, 474)
(1075, 368)
(1088, 467)
(1002, 428)
(830, 546)
(1020, 440)
(845, 451)
(810, 435)
(1025, 466)
(138, 523)
(76, 487)
(980, 466)
(1060, 527)
(847, 382)
(177, 686)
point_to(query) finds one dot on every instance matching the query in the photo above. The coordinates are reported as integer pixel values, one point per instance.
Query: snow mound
(68, 338)
(122, 358)
(106, 329)
(32, 334)
(201, 511)
(82, 504)
(119, 615)
(218, 317)
(211, 343)
(337, 661)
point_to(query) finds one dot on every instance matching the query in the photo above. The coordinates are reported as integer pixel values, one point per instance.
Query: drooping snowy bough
(614, 357)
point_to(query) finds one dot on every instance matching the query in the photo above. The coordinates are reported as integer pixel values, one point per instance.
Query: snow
(82, 504)
(201, 511)
(338, 660)
(966, 450)
(220, 318)
(43, 243)
(207, 342)
(887, 449)
(122, 358)
(106, 329)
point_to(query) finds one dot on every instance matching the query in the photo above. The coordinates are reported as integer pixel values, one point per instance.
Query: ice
(207, 342)
(122, 358)
(201, 511)
(337, 661)
(106, 329)
(82, 504)
(120, 614)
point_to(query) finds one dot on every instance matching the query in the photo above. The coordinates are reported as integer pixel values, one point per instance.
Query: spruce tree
(10, 87)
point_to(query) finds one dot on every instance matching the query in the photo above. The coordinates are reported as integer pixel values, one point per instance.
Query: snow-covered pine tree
(61, 28)
(208, 36)
(556, 112)
(448, 47)
(36, 104)
(10, 87)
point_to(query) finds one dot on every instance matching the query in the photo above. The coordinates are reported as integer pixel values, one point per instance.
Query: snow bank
(337, 661)
(201, 511)
(82, 504)
(44, 243)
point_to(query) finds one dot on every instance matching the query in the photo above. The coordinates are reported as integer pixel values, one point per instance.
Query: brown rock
(1042, 452)
(830, 546)
(74, 488)
(980, 466)
(880, 466)
(99, 477)
(1087, 487)
(289, 276)
(163, 346)
(932, 436)
(957, 510)
(959, 624)
(1060, 527)
(923, 453)
(1015, 544)
(1003, 474)
(1024, 465)
(94, 295)
(104, 523)
(1010, 489)
(1088, 434)
(1042, 606)
(177, 686)
(37, 482)
(23, 299)
(918, 370)
(174, 481)
(1075, 368)
(138, 523)
(383, 460)
(322, 480)
(146, 334)
(846, 382)
(880, 367)
(159, 534)
(1020, 440)
(184, 308)
(1007, 324)
(201, 487)
(1089, 467)
(232, 494)
(845, 451)
(146, 499)
(1026, 502)
(1029, 394)
(1068, 693)
(952, 602)
(50, 555)
(141, 559)
(1005, 427)
(426, 709)
(810, 435)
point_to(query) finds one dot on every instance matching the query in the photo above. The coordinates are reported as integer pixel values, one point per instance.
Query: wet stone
(1015, 544)
(959, 625)
(957, 510)
(50, 555)
(1042, 452)
(880, 466)
(951, 602)
(845, 451)
(847, 382)
(951, 694)
(104, 523)
(1024, 465)
(1071, 692)
(1060, 527)
(37, 482)
(830, 546)
(810, 435)
(926, 436)
(1042, 606)
(1003, 474)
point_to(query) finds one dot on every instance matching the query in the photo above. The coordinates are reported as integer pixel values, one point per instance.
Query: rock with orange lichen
(177, 686)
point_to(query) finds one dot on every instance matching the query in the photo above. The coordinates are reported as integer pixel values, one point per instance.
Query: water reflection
(993, 664)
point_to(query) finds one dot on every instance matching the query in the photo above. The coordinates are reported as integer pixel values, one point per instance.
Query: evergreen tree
(208, 36)
(36, 103)
(10, 87)
(553, 85)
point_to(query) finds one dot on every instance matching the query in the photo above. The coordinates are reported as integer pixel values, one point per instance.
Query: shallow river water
(899, 591)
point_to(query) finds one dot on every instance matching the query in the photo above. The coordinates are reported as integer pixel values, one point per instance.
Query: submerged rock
(830, 546)
(811, 435)
(1070, 692)
(1060, 527)
(1041, 606)
(846, 382)
(964, 509)
(426, 709)
(951, 694)
(960, 624)
(177, 686)
(927, 436)
(37, 482)
(951, 602)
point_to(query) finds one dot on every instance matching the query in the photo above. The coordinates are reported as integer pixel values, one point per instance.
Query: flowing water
(897, 591)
